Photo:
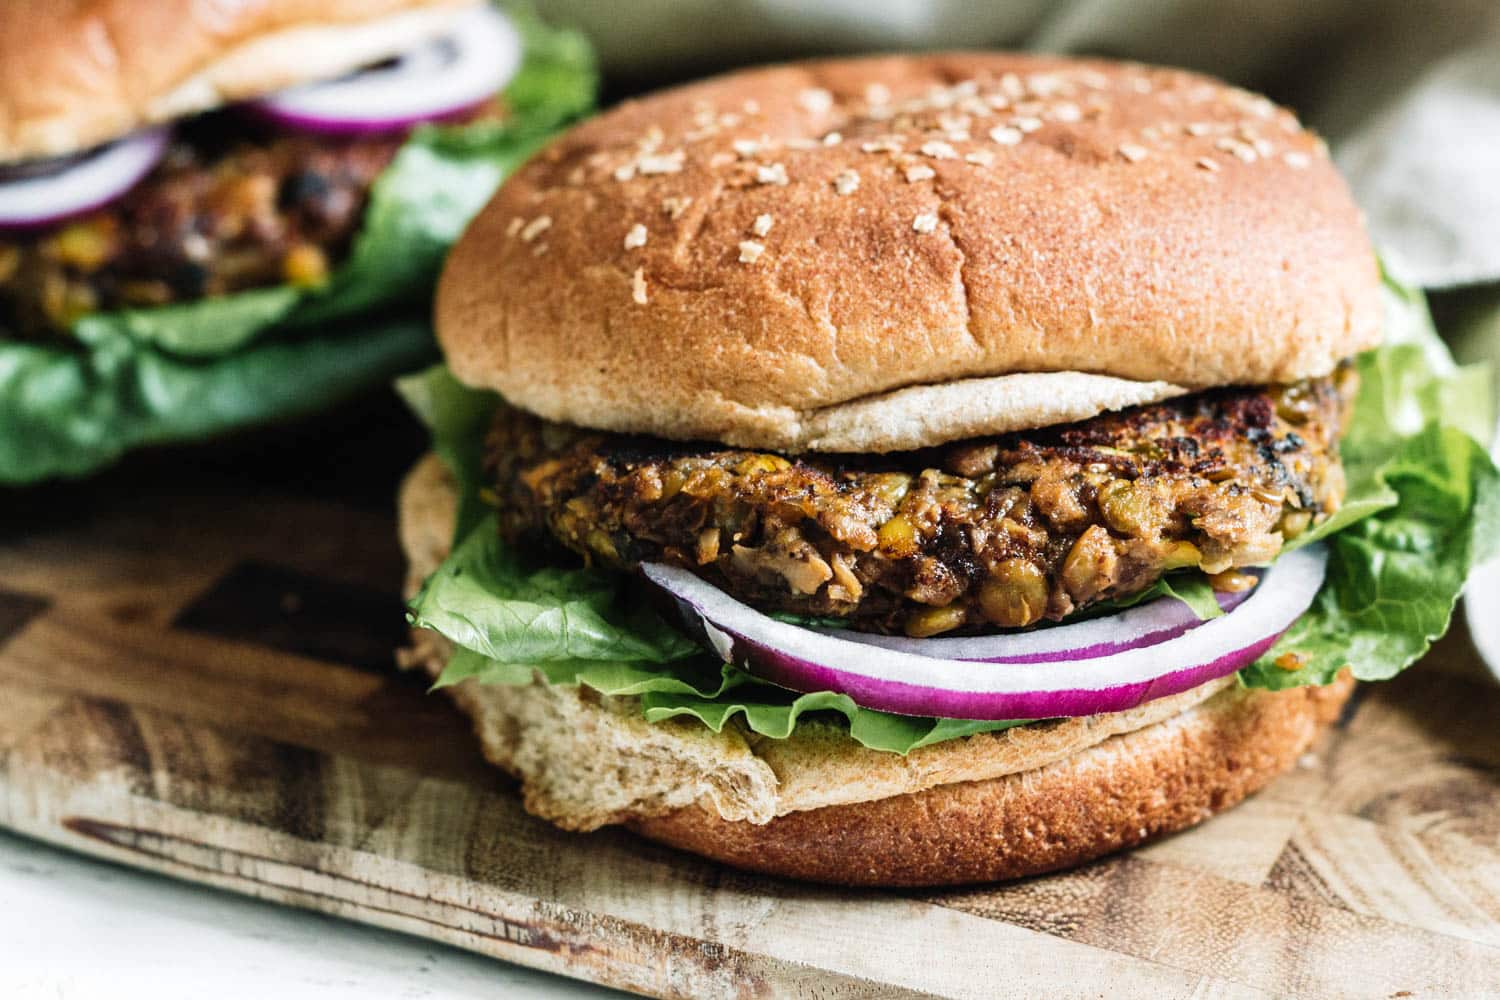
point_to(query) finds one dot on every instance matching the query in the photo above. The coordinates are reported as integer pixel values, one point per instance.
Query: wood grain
(195, 680)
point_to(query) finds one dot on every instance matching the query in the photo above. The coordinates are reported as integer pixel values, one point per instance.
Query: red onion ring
(440, 79)
(44, 194)
(909, 684)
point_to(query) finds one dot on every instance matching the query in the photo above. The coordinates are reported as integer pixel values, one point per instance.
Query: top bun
(77, 73)
(863, 254)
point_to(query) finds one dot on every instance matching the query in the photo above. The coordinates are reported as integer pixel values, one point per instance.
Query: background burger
(927, 470)
(195, 198)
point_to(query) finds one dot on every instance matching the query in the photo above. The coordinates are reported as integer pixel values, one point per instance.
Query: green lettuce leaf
(716, 695)
(67, 413)
(177, 372)
(486, 598)
(1423, 508)
(457, 416)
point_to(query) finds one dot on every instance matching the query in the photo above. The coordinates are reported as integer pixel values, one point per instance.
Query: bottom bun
(1118, 794)
(819, 807)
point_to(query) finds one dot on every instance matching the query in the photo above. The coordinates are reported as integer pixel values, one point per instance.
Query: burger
(928, 469)
(213, 215)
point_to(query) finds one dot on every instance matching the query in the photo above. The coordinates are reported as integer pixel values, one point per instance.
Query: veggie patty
(999, 532)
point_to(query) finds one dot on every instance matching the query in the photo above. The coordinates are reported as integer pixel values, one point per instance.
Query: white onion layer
(907, 683)
(81, 183)
(450, 74)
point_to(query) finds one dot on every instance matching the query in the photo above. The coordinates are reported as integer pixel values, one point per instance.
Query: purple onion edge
(902, 698)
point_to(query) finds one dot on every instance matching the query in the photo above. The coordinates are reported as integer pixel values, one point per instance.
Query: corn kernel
(305, 266)
(762, 463)
(83, 245)
(897, 538)
(10, 262)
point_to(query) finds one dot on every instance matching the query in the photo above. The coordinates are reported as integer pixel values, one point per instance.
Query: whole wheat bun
(820, 806)
(77, 73)
(924, 221)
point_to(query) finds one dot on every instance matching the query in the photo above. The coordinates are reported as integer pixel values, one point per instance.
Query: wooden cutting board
(195, 678)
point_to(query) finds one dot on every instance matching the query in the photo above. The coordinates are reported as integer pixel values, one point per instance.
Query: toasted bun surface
(76, 73)
(819, 806)
(931, 219)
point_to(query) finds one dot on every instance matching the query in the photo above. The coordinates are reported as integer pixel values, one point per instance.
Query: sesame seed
(846, 182)
(668, 163)
(750, 251)
(539, 249)
(1027, 123)
(925, 223)
(636, 237)
(889, 144)
(802, 143)
(815, 100)
(832, 139)
(877, 93)
(953, 123)
(1067, 113)
(762, 225)
(721, 159)
(1132, 152)
(919, 172)
(1296, 160)
(515, 226)
(1005, 135)
(745, 147)
(939, 150)
(536, 227)
(675, 205)
(1206, 163)
(638, 286)
(1246, 154)
(772, 173)
(624, 171)
(980, 157)
(1199, 128)
(751, 107)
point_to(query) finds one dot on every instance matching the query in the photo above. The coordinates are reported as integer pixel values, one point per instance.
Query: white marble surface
(72, 927)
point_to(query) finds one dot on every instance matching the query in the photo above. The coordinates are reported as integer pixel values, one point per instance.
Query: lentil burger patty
(997, 532)
(231, 206)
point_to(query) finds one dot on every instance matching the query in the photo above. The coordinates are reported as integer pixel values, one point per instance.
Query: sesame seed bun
(77, 73)
(821, 807)
(769, 258)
